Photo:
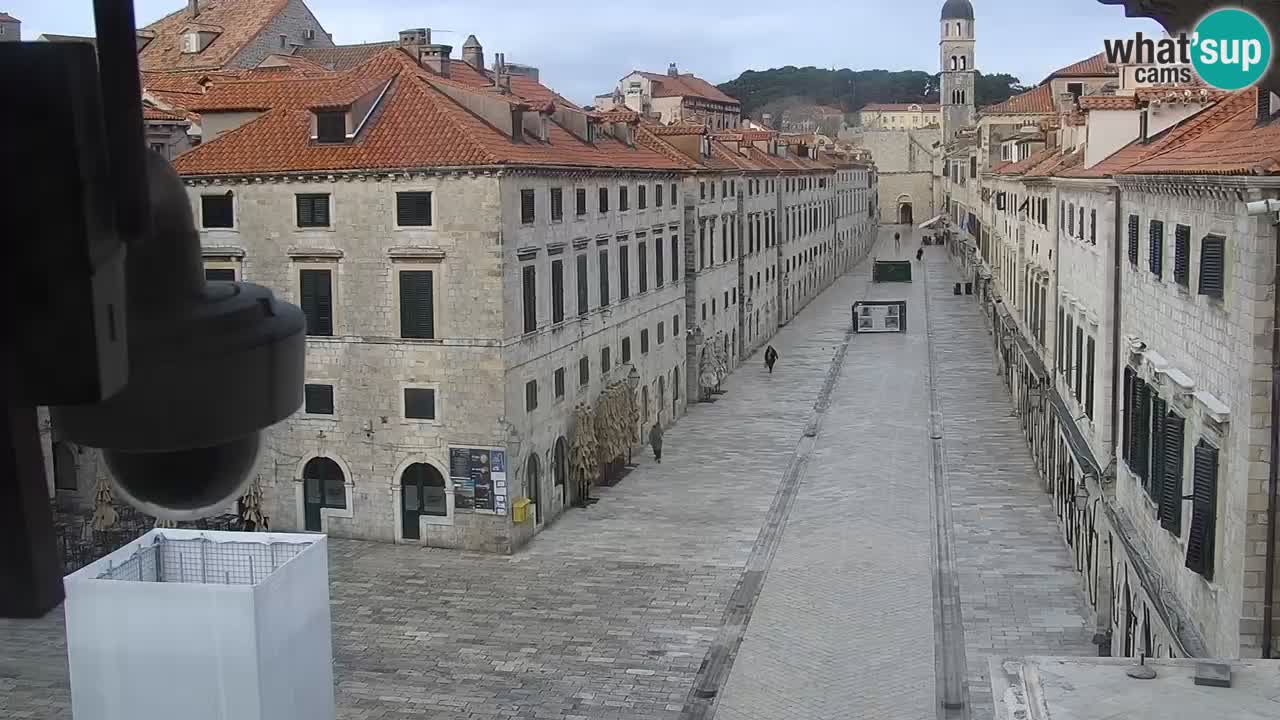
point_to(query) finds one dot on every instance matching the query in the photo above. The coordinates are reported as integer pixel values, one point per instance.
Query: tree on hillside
(775, 90)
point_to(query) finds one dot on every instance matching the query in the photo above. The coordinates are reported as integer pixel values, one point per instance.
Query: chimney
(414, 37)
(435, 58)
(194, 7)
(473, 53)
(671, 69)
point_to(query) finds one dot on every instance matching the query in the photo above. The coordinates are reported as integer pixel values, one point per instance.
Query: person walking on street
(897, 242)
(655, 440)
(919, 253)
(770, 357)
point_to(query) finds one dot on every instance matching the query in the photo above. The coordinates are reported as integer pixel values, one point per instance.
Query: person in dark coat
(655, 440)
(897, 242)
(770, 357)
(919, 254)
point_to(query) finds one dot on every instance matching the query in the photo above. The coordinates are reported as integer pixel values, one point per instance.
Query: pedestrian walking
(770, 357)
(919, 253)
(655, 440)
(897, 242)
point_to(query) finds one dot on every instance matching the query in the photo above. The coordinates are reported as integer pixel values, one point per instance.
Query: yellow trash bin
(520, 510)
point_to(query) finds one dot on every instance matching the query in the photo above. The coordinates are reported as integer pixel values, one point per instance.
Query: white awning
(932, 221)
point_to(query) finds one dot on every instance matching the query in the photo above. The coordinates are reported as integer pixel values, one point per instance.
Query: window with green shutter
(659, 262)
(657, 195)
(642, 257)
(529, 293)
(604, 200)
(604, 278)
(674, 198)
(420, 403)
(584, 302)
(1079, 364)
(584, 371)
(1088, 377)
(417, 304)
(1170, 495)
(557, 204)
(317, 301)
(413, 209)
(557, 291)
(1182, 255)
(626, 349)
(644, 341)
(1126, 432)
(527, 206)
(317, 399)
(624, 272)
(1142, 430)
(623, 203)
(580, 201)
(1155, 471)
(559, 383)
(642, 200)
(531, 396)
(1093, 227)
(1212, 265)
(313, 210)
(1156, 257)
(1204, 509)
(1133, 240)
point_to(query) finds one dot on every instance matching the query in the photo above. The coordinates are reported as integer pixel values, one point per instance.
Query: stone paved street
(611, 611)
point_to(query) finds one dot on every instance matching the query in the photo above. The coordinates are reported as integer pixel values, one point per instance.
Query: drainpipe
(1118, 232)
(1273, 482)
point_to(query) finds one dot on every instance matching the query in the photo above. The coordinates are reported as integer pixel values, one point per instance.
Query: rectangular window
(1067, 359)
(1079, 386)
(675, 326)
(1156, 257)
(331, 127)
(674, 198)
(623, 201)
(1142, 431)
(1080, 227)
(1169, 502)
(1133, 240)
(644, 341)
(604, 200)
(559, 383)
(557, 204)
(531, 396)
(1204, 510)
(413, 209)
(219, 275)
(580, 201)
(1088, 379)
(1126, 428)
(313, 210)
(642, 257)
(658, 262)
(527, 201)
(317, 399)
(420, 403)
(662, 335)
(657, 195)
(417, 304)
(604, 361)
(529, 295)
(1212, 265)
(626, 349)
(557, 291)
(1093, 227)
(624, 272)
(973, 167)
(584, 371)
(583, 301)
(1182, 255)
(604, 278)
(317, 301)
(1071, 219)
(216, 211)
(641, 200)
(702, 191)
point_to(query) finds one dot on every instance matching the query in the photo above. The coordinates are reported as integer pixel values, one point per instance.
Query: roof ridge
(1194, 126)
(446, 107)
(198, 151)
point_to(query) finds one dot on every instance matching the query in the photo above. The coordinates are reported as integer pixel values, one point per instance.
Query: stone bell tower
(958, 71)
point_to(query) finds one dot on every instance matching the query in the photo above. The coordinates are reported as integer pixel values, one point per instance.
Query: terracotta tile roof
(1227, 142)
(343, 57)
(1196, 93)
(281, 65)
(1095, 66)
(268, 94)
(415, 126)
(686, 85)
(1056, 164)
(901, 107)
(617, 116)
(1037, 101)
(236, 22)
(678, 129)
(155, 114)
(1109, 102)
(1019, 167)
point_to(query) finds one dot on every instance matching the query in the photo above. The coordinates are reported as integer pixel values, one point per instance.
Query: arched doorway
(561, 468)
(324, 486)
(64, 468)
(533, 481)
(422, 492)
(905, 214)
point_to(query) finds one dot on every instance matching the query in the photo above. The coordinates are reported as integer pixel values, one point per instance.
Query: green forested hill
(780, 88)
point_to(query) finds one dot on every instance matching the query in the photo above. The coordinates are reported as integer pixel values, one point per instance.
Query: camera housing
(210, 366)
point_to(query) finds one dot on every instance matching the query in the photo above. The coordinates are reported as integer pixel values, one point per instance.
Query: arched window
(954, 62)
(324, 486)
(964, 62)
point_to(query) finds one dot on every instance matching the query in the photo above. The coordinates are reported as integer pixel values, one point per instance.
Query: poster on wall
(499, 477)
(479, 479)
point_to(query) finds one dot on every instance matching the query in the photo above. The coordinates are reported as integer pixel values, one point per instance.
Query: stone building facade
(673, 97)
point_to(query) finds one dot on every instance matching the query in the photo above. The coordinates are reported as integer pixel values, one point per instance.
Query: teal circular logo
(1231, 49)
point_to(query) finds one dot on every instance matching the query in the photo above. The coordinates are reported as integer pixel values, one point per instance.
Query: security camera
(1263, 207)
(210, 366)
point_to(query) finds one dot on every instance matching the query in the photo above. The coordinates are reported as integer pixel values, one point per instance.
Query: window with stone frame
(584, 371)
(531, 396)
(603, 204)
(1155, 256)
(557, 291)
(217, 211)
(420, 403)
(580, 201)
(529, 297)
(641, 196)
(604, 362)
(558, 383)
(312, 210)
(1213, 266)
(317, 399)
(527, 206)
(624, 272)
(557, 204)
(623, 199)
(644, 341)
(1182, 255)
(413, 209)
(417, 304)
(316, 290)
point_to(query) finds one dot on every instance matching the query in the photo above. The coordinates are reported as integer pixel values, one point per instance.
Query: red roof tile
(1095, 66)
(686, 85)
(343, 57)
(1019, 167)
(415, 126)
(1037, 101)
(1227, 141)
(679, 129)
(155, 114)
(1109, 102)
(236, 22)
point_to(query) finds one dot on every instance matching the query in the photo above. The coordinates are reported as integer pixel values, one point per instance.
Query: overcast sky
(582, 49)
